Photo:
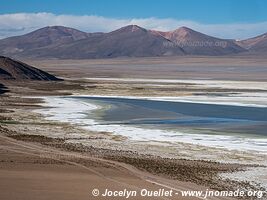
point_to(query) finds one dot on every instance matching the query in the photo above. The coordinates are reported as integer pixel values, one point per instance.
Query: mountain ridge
(130, 41)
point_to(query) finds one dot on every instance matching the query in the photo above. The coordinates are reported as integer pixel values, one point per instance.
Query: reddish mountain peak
(255, 43)
(187, 34)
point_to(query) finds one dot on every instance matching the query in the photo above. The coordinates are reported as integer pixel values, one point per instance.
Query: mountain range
(130, 41)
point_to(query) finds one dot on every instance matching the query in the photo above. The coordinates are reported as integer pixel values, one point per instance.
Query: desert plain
(51, 159)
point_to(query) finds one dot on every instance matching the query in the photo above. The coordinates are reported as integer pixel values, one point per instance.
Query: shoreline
(210, 153)
(60, 111)
(226, 84)
(183, 99)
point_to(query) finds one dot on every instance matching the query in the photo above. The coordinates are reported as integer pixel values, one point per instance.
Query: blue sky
(220, 18)
(205, 11)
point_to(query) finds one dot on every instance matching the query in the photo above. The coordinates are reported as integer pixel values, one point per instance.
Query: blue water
(202, 117)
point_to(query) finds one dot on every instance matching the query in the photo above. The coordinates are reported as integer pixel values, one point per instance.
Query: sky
(237, 19)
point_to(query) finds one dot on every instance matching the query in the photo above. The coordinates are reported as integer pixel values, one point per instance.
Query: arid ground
(43, 159)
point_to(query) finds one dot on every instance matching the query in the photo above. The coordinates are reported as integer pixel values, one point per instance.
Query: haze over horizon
(223, 19)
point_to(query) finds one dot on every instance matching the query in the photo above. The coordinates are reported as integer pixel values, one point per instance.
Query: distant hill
(44, 37)
(57, 42)
(196, 43)
(256, 44)
(15, 70)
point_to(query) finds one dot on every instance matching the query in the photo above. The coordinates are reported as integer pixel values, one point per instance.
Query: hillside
(15, 70)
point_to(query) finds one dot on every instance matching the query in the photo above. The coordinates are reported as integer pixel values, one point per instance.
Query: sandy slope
(32, 171)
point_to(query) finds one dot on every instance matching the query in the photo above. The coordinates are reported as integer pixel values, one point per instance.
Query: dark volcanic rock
(16, 70)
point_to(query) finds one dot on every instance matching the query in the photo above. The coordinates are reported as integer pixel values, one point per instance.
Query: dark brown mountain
(44, 37)
(256, 44)
(15, 70)
(130, 41)
(196, 43)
